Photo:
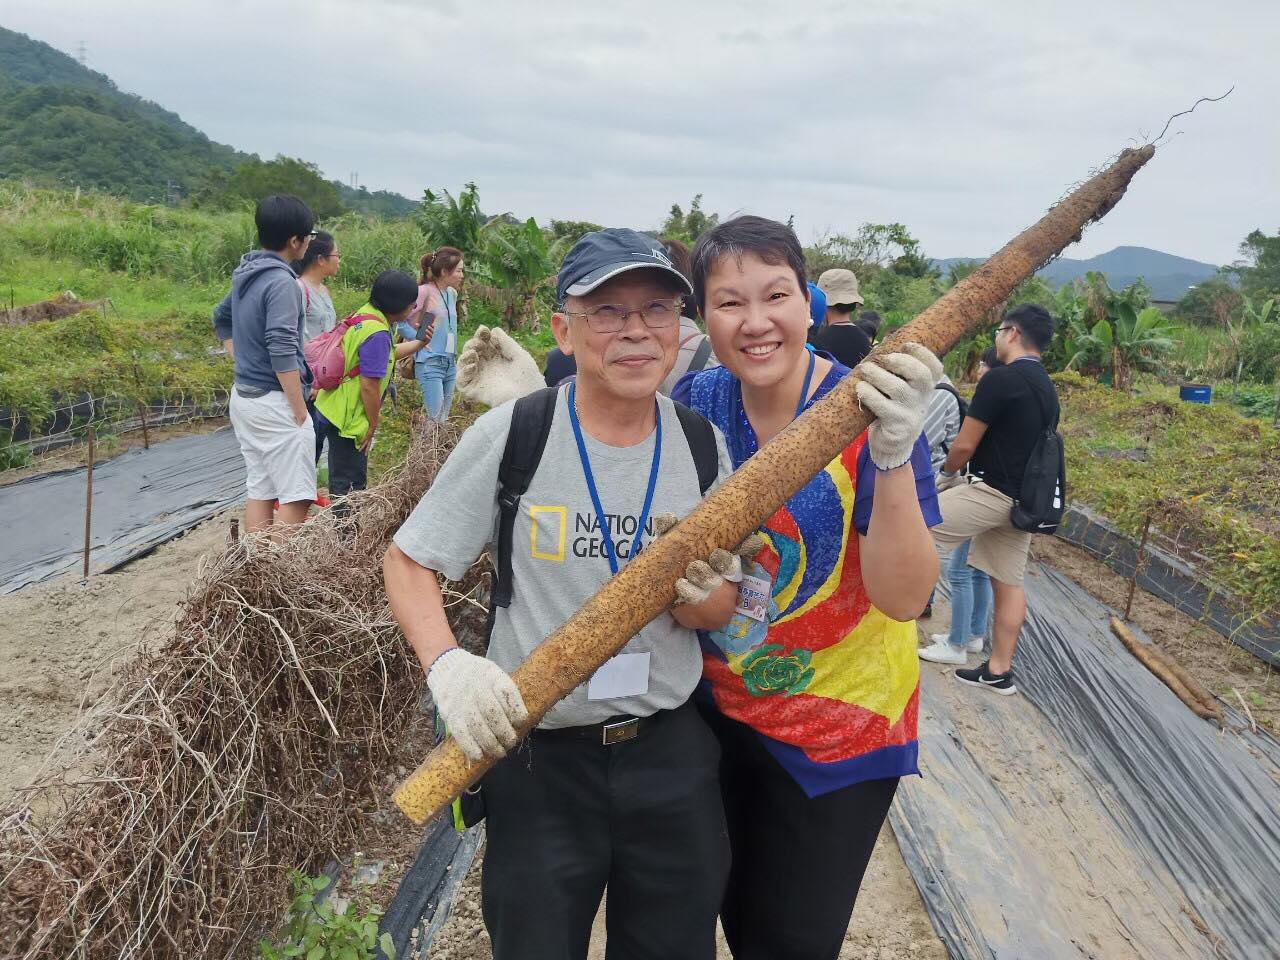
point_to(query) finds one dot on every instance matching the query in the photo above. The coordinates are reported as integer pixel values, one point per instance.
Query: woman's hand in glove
(493, 369)
(702, 577)
(897, 387)
(479, 704)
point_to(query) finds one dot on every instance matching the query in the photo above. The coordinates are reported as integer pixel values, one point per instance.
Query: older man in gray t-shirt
(618, 785)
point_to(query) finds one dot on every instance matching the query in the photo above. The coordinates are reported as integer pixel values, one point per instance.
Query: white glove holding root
(477, 701)
(701, 577)
(897, 387)
(493, 368)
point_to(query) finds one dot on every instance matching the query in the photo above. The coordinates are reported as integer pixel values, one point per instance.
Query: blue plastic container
(1196, 392)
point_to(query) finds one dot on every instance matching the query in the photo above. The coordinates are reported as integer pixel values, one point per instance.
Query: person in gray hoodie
(261, 322)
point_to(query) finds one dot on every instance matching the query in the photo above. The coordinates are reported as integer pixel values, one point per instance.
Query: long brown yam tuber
(645, 587)
(1170, 673)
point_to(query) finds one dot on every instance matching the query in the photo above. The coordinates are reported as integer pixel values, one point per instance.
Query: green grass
(1210, 476)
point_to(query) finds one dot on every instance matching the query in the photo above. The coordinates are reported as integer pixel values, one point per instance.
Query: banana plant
(1251, 316)
(522, 263)
(1123, 341)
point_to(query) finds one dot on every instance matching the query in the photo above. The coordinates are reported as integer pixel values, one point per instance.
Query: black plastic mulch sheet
(424, 900)
(1094, 816)
(141, 498)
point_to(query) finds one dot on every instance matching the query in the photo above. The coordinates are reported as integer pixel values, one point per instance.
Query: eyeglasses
(1003, 329)
(312, 235)
(612, 317)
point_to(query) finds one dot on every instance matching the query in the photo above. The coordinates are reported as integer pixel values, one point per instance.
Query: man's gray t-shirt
(559, 561)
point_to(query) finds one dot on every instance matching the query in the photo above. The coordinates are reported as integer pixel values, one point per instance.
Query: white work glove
(701, 577)
(478, 702)
(493, 368)
(897, 387)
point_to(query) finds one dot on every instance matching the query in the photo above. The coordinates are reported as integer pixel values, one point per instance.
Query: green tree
(449, 221)
(1259, 269)
(571, 231)
(255, 179)
(688, 227)
(1124, 338)
(523, 265)
(1210, 303)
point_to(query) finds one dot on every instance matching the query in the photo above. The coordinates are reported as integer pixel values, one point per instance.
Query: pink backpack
(325, 356)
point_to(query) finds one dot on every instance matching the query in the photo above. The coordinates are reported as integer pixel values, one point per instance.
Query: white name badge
(753, 597)
(626, 675)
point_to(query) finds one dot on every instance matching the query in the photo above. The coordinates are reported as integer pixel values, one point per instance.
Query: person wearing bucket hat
(618, 785)
(839, 336)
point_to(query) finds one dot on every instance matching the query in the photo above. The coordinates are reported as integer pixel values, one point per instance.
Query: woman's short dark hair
(990, 360)
(436, 264)
(281, 218)
(773, 242)
(393, 290)
(321, 245)
(1034, 323)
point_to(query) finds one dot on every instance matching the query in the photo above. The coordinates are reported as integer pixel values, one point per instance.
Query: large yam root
(1171, 673)
(645, 587)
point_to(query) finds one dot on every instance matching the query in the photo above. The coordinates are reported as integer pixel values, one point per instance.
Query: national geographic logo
(549, 533)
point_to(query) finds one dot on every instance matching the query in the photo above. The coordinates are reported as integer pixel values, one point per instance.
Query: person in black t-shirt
(559, 366)
(1005, 417)
(839, 336)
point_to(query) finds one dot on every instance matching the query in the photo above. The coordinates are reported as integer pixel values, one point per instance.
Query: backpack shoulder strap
(530, 426)
(700, 356)
(701, 437)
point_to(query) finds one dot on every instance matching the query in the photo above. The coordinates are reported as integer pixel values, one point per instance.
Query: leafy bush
(1260, 353)
(317, 931)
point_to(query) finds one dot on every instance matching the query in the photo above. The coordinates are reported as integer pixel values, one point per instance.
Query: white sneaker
(942, 652)
(974, 644)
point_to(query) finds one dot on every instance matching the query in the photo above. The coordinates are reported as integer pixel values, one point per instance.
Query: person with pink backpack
(352, 365)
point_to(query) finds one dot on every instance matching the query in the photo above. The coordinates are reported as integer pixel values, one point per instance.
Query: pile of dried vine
(229, 753)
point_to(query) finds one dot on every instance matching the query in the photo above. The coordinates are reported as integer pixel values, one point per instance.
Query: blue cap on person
(604, 254)
(817, 305)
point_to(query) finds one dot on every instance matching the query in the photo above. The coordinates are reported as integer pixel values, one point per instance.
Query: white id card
(626, 675)
(753, 597)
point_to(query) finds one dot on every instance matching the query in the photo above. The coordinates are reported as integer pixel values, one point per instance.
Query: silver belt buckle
(620, 732)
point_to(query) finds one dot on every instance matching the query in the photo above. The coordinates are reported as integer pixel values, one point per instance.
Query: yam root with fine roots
(240, 747)
(645, 587)
(1171, 673)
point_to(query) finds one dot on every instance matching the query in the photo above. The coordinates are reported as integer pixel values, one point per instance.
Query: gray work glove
(701, 577)
(493, 368)
(897, 387)
(478, 702)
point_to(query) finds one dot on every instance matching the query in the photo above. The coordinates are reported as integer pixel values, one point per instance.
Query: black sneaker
(980, 676)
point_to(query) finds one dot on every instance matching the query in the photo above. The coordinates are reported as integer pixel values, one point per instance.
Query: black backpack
(1043, 494)
(527, 438)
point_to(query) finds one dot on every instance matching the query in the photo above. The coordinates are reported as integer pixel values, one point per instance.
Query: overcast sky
(963, 121)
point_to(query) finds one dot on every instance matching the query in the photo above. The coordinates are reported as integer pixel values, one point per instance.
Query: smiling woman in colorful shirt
(813, 688)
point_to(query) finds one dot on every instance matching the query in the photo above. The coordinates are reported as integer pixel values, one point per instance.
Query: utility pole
(81, 54)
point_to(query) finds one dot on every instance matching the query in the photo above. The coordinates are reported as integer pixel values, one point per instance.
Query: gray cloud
(964, 122)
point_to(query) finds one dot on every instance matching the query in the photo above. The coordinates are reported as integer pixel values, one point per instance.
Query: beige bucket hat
(840, 286)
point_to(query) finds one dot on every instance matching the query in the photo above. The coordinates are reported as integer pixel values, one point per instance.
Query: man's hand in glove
(493, 369)
(897, 387)
(478, 702)
(707, 594)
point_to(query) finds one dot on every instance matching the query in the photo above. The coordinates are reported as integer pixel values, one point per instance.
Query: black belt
(607, 733)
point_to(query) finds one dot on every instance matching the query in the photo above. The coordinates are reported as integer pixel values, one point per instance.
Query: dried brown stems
(229, 754)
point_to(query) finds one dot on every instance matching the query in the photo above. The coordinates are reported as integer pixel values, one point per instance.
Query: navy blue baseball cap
(604, 254)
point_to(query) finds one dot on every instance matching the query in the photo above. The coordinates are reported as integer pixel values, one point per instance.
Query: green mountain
(64, 125)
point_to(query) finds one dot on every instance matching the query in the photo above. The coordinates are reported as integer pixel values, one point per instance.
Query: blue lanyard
(740, 414)
(609, 549)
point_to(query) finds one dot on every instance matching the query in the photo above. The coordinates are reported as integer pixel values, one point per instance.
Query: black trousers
(567, 818)
(797, 862)
(348, 466)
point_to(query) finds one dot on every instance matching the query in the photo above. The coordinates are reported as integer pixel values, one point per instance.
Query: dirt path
(61, 643)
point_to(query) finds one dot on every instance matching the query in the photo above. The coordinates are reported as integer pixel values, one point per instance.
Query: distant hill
(64, 125)
(1168, 276)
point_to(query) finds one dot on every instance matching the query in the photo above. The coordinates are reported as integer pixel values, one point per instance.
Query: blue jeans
(970, 597)
(436, 375)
